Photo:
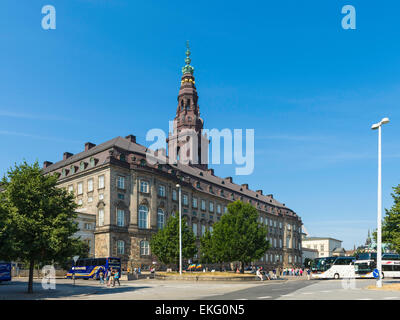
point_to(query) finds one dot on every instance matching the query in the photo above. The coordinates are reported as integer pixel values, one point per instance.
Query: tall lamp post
(180, 228)
(379, 222)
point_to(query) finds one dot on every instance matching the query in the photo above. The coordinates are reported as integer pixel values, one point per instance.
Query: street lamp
(379, 232)
(180, 228)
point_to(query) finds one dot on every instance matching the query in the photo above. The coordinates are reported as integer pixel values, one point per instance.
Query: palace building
(131, 199)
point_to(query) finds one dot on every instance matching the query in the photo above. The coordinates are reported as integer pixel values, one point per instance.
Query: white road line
(242, 299)
(326, 291)
(388, 298)
(286, 295)
(307, 292)
(266, 297)
(364, 299)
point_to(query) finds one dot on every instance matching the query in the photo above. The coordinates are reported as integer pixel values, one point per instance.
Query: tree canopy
(165, 243)
(238, 236)
(391, 222)
(37, 219)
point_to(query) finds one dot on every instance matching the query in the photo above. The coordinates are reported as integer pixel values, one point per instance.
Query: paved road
(189, 290)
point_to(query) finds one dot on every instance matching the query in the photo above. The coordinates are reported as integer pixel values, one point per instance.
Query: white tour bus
(333, 268)
(366, 264)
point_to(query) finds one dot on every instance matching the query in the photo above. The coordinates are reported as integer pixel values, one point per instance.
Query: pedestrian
(259, 274)
(108, 277)
(308, 274)
(101, 276)
(113, 277)
(274, 273)
(116, 277)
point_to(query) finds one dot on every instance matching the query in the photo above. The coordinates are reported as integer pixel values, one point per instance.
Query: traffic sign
(375, 273)
(75, 258)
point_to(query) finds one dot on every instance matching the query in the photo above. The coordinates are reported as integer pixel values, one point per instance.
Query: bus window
(101, 261)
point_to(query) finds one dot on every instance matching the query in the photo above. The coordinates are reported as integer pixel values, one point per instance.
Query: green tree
(37, 224)
(391, 223)
(238, 236)
(165, 243)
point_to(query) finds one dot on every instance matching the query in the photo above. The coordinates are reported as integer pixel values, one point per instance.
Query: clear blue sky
(310, 89)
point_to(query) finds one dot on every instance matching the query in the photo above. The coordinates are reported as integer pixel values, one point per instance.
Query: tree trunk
(30, 283)
(242, 267)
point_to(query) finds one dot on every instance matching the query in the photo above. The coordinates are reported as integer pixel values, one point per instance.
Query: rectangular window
(101, 217)
(203, 229)
(101, 182)
(174, 194)
(80, 188)
(101, 196)
(120, 182)
(144, 248)
(144, 186)
(120, 247)
(90, 185)
(194, 226)
(120, 218)
(280, 225)
(71, 188)
(211, 206)
(161, 191)
(218, 208)
(90, 199)
(225, 209)
(194, 202)
(203, 205)
(185, 200)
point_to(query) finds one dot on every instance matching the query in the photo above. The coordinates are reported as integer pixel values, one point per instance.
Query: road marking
(364, 299)
(307, 292)
(326, 291)
(388, 298)
(266, 297)
(242, 299)
(286, 295)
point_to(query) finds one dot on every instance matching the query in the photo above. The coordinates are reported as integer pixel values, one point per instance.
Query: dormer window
(122, 157)
(82, 166)
(72, 169)
(92, 162)
(63, 173)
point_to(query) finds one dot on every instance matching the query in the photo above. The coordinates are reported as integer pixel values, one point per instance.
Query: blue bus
(90, 268)
(5, 271)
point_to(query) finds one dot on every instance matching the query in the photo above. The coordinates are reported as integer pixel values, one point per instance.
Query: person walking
(308, 274)
(112, 277)
(101, 276)
(116, 277)
(108, 277)
(274, 274)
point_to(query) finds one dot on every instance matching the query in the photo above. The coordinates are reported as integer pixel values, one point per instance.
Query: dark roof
(128, 145)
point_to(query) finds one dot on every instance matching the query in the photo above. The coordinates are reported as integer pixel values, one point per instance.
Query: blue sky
(310, 90)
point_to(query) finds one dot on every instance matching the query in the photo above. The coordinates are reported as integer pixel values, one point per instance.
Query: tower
(186, 143)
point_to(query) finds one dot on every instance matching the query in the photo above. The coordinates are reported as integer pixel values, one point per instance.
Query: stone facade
(131, 198)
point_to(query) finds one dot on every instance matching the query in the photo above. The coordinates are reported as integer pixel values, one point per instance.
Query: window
(270, 223)
(225, 209)
(287, 242)
(71, 188)
(174, 194)
(101, 217)
(80, 188)
(160, 219)
(203, 229)
(101, 196)
(280, 225)
(261, 220)
(143, 217)
(120, 218)
(290, 259)
(194, 227)
(90, 199)
(194, 202)
(120, 247)
(275, 224)
(211, 206)
(120, 182)
(90, 185)
(144, 248)
(203, 204)
(280, 243)
(322, 247)
(161, 191)
(275, 243)
(82, 166)
(211, 229)
(185, 200)
(121, 196)
(88, 226)
(219, 208)
(101, 182)
(72, 169)
(92, 162)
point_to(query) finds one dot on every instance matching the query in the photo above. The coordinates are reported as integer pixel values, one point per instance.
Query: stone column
(153, 204)
(133, 206)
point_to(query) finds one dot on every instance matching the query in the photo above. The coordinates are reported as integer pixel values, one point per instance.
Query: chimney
(270, 195)
(228, 179)
(47, 164)
(67, 155)
(89, 145)
(259, 192)
(211, 171)
(131, 138)
(246, 186)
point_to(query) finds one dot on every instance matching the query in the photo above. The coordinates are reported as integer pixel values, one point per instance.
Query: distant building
(326, 247)
(308, 253)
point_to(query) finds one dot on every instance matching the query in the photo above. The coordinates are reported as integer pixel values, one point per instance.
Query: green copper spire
(188, 68)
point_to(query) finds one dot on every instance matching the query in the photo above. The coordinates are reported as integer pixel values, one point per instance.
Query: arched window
(120, 247)
(143, 217)
(144, 248)
(160, 218)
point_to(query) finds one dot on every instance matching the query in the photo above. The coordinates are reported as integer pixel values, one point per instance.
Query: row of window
(82, 166)
(144, 247)
(90, 186)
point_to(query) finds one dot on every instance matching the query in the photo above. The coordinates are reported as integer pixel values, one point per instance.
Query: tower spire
(188, 68)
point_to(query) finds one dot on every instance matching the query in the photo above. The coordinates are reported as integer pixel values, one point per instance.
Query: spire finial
(188, 68)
